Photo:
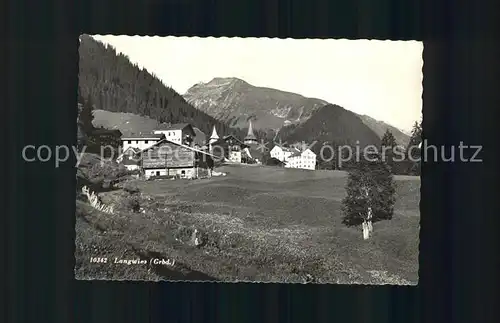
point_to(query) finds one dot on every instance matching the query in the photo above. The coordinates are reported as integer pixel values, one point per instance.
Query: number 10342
(98, 260)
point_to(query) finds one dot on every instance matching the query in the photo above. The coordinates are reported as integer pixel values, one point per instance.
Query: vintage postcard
(248, 160)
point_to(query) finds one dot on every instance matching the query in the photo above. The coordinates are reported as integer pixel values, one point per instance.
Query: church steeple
(214, 137)
(250, 138)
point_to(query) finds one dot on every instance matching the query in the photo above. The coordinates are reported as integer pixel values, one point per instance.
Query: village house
(233, 149)
(181, 133)
(282, 153)
(229, 146)
(294, 157)
(253, 154)
(130, 158)
(305, 159)
(140, 141)
(167, 158)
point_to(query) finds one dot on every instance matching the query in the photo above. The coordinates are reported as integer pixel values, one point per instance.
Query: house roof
(232, 136)
(226, 138)
(288, 149)
(255, 152)
(299, 153)
(180, 145)
(143, 136)
(134, 149)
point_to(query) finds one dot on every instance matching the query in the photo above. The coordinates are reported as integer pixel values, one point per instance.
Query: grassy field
(258, 223)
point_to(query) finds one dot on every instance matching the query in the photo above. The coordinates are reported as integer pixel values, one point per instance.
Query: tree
(413, 152)
(388, 146)
(370, 194)
(118, 85)
(86, 117)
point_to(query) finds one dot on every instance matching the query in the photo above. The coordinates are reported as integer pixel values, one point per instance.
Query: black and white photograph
(259, 160)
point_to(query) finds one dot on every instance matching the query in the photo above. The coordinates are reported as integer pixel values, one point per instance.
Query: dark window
(137, 141)
(158, 173)
(145, 141)
(130, 141)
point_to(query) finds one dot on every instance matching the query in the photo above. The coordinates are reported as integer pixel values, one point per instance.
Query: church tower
(250, 138)
(213, 138)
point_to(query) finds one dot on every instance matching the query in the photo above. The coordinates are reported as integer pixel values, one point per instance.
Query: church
(232, 148)
(250, 139)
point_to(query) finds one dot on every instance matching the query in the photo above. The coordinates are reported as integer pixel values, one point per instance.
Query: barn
(167, 158)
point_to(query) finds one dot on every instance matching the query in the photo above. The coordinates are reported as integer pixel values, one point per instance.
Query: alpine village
(231, 181)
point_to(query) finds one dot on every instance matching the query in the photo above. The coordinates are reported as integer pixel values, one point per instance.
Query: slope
(114, 84)
(380, 127)
(332, 124)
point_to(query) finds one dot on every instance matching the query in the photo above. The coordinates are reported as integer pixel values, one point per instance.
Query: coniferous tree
(388, 147)
(413, 152)
(370, 194)
(127, 88)
(86, 116)
(81, 135)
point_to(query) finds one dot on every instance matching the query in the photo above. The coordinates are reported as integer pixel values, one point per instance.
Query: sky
(382, 79)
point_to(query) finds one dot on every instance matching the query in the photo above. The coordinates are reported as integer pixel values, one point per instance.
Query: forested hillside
(114, 84)
(332, 124)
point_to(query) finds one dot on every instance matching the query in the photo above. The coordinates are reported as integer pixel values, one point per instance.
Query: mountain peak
(380, 127)
(219, 81)
(217, 84)
(235, 101)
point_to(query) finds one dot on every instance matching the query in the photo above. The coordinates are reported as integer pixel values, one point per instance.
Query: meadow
(259, 223)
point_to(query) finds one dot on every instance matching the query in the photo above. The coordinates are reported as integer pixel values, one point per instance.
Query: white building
(294, 158)
(282, 153)
(180, 133)
(302, 159)
(130, 158)
(140, 141)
